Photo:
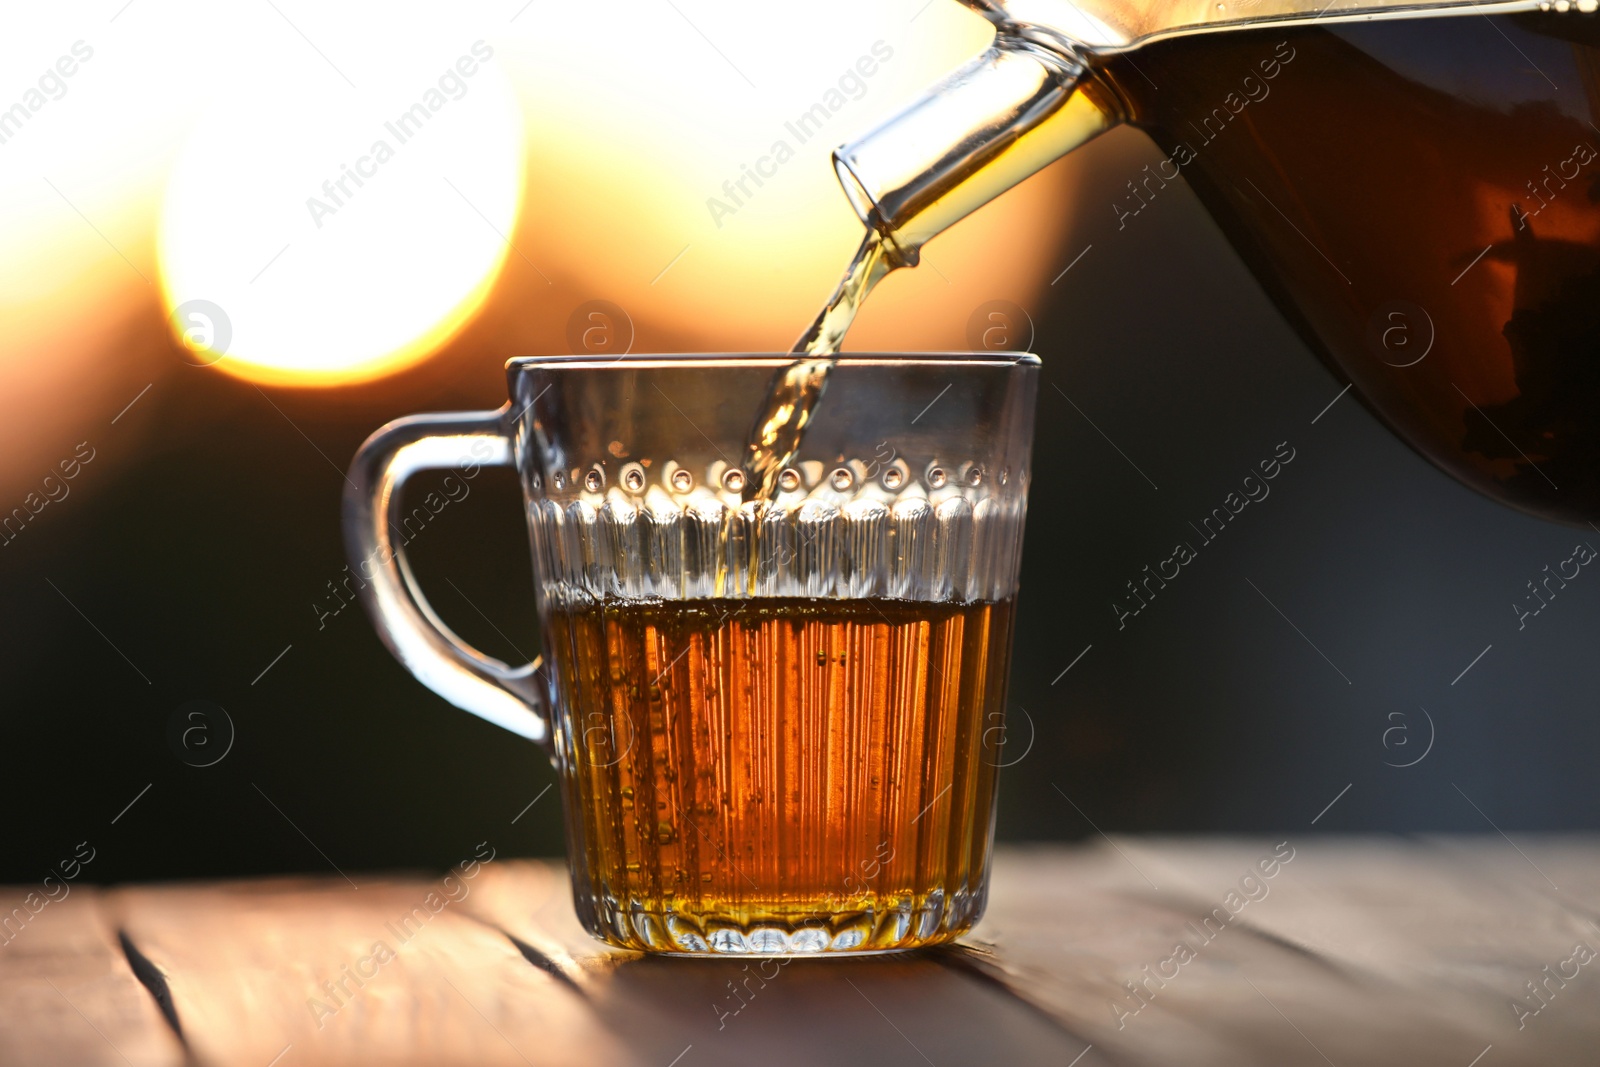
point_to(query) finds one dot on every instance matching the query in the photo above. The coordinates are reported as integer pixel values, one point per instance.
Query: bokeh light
(582, 163)
(345, 233)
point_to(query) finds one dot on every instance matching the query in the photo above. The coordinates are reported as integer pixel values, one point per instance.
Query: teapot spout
(1000, 118)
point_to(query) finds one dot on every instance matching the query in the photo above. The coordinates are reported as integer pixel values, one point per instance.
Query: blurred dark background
(1295, 657)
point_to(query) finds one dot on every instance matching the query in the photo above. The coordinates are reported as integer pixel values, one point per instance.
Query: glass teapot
(1418, 193)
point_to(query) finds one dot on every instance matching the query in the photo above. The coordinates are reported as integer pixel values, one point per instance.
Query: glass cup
(775, 723)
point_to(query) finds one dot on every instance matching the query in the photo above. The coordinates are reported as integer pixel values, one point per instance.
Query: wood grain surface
(1471, 952)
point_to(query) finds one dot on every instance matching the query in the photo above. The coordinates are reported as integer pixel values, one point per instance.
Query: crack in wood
(154, 982)
(546, 964)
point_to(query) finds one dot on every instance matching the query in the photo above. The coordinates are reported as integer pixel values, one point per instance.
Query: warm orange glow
(594, 137)
(668, 186)
(84, 160)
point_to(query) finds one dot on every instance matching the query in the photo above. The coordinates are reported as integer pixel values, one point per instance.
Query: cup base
(758, 931)
(854, 953)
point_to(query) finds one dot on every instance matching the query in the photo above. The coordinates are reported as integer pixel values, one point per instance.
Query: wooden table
(1351, 951)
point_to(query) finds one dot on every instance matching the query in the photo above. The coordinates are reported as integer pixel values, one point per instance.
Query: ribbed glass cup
(772, 714)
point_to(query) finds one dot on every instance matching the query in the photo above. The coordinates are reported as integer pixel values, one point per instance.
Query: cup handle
(512, 697)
